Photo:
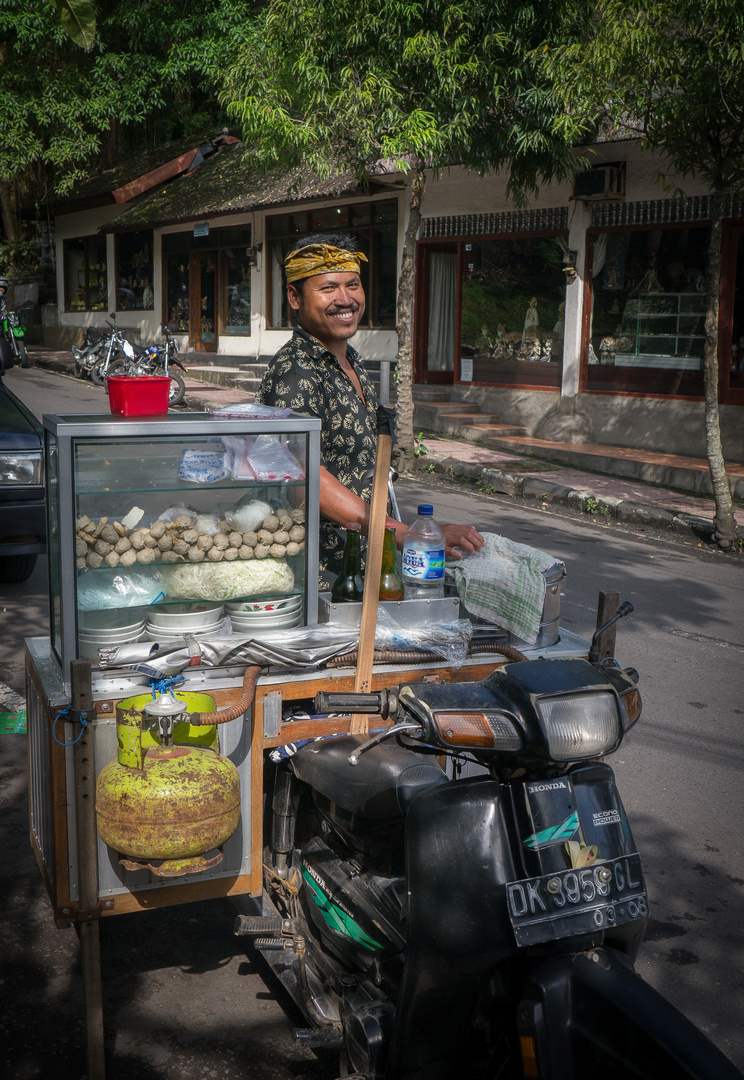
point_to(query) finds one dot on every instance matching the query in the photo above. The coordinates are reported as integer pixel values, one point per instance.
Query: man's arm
(342, 506)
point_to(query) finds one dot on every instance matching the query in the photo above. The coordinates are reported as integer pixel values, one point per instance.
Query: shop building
(579, 317)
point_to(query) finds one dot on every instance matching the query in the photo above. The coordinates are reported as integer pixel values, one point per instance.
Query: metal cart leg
(87, 844)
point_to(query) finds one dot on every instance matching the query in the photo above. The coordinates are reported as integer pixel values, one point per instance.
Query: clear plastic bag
(449, 640)
(251, 411)
(272, 460)
(132, 589)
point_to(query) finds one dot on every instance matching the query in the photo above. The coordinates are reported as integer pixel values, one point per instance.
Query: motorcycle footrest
(273, 944)
(246, 925)
(316, 1038)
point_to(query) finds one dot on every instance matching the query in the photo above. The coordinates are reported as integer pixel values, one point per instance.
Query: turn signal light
(489, 731)
(632, 702)
(529, 1056)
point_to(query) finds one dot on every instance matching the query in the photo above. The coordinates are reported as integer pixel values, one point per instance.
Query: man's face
(329, 305)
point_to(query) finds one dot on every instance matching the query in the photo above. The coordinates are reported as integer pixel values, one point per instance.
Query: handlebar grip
(326, 702)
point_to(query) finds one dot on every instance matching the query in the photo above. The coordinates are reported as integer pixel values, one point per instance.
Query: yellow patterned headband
(321, 259)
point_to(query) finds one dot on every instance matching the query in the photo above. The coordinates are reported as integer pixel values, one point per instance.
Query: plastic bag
(450, 640)
(251, 411)
(133, 589)
(203, 466)
(179, 510)
(248, 513)
(240, 467)
(272, 460)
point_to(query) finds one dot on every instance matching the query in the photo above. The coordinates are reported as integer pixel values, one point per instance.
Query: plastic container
(423, 558)
(138, 395)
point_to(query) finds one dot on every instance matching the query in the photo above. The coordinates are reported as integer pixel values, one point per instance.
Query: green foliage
(350, 83)
(21, 255)
(78, 17)
(670, 71)
(419, 449)
(151, 70)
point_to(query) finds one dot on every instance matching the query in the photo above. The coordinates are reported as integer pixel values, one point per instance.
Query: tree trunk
(9, 209)
(724, 523)
(404, 384)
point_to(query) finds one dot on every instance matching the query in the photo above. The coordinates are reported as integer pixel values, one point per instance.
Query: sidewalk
(508, 472)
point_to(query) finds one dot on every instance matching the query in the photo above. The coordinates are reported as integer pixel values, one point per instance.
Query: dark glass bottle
(348, 586)
(391, 583)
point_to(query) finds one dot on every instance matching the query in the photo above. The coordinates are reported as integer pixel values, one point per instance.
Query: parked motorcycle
(91, 352)
(102, 354)
(480, 927)
(12, 332)
(158, 360)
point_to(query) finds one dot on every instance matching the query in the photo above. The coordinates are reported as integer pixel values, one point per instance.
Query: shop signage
(201, 228)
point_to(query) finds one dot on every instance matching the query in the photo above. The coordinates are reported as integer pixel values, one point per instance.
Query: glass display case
(160, 526)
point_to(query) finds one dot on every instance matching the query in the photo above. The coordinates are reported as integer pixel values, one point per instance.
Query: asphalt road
(182, 997)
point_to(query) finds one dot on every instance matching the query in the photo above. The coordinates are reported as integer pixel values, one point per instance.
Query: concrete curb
(500, 481)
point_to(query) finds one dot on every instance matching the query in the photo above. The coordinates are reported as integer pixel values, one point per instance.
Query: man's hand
(461, 540)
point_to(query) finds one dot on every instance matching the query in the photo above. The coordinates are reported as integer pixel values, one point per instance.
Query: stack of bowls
(107, 629)
(274, 614)
(174, 620)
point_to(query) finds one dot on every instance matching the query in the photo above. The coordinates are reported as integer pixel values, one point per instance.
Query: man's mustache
(338, 308)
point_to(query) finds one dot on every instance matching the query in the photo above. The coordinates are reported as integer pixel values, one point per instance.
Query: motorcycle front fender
(589, 1014)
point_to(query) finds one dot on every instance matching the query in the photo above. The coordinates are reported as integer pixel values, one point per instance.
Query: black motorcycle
(431, 927)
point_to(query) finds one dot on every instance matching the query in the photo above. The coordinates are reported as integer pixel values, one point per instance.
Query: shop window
(374, 226)
(647, 302)
(511, 310)
(85, 274)
(134, 272)
(238, 283)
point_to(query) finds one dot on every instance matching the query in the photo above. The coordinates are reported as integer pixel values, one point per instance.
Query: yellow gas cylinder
(169, 795)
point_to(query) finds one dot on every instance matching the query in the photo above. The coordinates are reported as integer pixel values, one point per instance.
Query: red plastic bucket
(138, 395)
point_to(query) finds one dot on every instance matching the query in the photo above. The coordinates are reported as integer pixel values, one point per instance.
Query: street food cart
(135, 506)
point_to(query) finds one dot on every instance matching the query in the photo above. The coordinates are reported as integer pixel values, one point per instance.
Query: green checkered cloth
(504, 584)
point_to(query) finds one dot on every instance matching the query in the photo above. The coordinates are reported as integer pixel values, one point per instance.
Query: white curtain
(599, 254)
(442, 292)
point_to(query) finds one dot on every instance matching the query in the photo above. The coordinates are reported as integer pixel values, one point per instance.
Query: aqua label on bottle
(423, 565)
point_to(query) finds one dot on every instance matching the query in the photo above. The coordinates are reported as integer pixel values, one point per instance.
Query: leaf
(78, 18)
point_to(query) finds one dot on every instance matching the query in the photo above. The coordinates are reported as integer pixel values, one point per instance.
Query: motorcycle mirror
(622, 611)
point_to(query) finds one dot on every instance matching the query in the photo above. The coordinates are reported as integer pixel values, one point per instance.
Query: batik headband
(321, 259)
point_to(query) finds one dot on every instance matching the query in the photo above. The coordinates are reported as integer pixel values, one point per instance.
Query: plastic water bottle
(423, 558)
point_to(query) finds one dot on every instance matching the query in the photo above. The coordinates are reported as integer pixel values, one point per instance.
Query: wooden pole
(87, 856)
(607, 606)
(373, 570)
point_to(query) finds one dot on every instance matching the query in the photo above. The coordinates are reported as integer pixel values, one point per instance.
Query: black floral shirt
(305, 377)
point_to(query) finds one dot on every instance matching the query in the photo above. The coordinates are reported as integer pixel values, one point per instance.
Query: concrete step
(666, 470)
(467, 422)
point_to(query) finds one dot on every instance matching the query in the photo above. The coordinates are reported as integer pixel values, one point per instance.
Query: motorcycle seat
(380, 787)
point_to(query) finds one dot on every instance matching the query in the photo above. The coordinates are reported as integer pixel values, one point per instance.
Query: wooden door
(204, 315)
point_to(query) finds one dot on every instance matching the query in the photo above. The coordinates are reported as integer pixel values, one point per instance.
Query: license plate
(583, 901)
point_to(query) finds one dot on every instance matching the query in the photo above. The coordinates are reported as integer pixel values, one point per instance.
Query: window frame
(372, 290)
(637, 381)
(100, 241)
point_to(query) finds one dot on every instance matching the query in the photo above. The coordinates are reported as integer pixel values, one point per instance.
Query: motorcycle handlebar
(383, 703)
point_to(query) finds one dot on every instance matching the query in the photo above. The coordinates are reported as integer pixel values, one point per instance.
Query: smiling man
(317, 373)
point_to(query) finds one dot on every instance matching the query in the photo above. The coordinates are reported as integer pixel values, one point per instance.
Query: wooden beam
(373, 570)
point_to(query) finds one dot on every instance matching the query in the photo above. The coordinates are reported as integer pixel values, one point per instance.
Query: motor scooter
(432, 924)
(159, 360)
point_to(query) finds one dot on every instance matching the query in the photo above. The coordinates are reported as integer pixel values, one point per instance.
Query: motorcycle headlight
(482, 730)
(20, 468)
(581, 725)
